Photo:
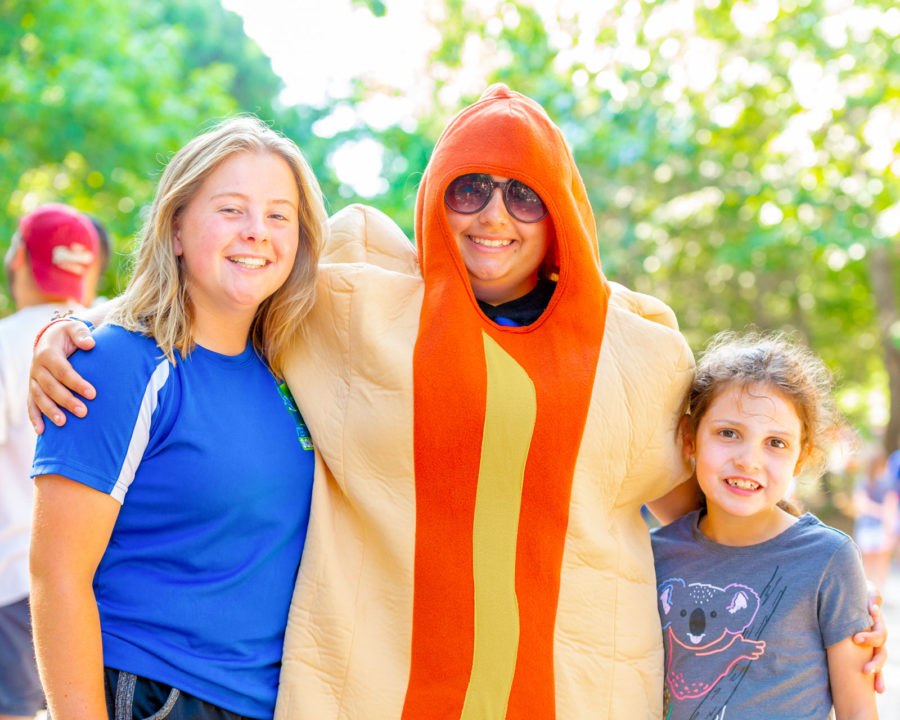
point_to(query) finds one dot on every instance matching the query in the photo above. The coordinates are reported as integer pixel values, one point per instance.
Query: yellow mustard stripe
(510, 412)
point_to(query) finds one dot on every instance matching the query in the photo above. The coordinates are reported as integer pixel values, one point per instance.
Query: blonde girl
(758, 606)
(169, 524)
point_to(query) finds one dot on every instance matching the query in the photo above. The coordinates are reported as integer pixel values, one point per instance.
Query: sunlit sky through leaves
(318, 48)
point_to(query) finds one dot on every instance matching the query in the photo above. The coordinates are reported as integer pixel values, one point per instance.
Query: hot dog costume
(476, 548)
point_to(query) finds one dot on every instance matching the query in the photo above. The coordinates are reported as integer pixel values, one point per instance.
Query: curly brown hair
(754, 357)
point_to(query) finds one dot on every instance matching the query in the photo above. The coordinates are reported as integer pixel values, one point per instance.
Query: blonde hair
(771, 359)
(155, 302)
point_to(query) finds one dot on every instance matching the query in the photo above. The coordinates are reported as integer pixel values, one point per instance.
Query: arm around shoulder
(677, 502)
(53, 381)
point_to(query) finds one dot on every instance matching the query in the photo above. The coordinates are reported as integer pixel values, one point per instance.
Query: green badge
(291, 406)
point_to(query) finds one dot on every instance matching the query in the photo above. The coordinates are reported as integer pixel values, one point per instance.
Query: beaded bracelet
(57, 317)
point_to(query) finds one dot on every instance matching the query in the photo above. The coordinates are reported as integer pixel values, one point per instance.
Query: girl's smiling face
(502, 255)
(238, 237)
(747, 450)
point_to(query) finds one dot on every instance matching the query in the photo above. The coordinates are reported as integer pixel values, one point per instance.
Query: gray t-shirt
(745, 628)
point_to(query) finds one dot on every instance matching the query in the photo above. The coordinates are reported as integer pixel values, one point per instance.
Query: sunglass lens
(468, 193)
(524, 203)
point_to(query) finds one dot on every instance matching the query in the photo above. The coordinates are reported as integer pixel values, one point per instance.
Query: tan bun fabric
(348, 645)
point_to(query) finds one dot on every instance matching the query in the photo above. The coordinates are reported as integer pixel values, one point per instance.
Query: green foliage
(376, 7)
(96, 96)
(742, 167)
(727, 168)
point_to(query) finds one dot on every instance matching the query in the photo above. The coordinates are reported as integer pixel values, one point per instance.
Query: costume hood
(507, 134)
(499, 417)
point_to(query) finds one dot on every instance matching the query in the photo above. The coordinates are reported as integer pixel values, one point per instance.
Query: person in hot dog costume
(490, 414)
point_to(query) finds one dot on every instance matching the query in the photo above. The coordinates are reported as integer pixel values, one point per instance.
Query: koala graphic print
(702, 626)
(745, 628)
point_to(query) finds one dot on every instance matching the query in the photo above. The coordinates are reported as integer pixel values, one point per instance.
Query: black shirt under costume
(524, 310)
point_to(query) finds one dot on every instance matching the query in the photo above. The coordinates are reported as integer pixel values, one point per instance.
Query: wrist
(59, 317)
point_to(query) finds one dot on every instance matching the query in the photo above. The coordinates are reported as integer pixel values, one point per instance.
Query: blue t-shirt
(213, 466)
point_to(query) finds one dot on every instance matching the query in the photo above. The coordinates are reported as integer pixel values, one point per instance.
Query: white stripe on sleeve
(140, 435)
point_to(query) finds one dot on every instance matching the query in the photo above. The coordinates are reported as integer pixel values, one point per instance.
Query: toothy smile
(490, 243)
(742, 484)
(249, 262)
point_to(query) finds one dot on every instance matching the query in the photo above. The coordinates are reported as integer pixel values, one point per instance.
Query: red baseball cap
(62, 244)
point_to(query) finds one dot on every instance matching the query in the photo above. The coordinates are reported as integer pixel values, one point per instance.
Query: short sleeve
(103, 449)
(843, 598)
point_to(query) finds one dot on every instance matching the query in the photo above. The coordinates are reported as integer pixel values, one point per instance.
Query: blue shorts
(20, 687)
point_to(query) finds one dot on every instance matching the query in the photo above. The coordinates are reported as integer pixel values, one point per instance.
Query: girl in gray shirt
(758, 606)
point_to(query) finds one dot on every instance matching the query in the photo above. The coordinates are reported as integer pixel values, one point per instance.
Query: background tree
(96, 95)
(741, 157)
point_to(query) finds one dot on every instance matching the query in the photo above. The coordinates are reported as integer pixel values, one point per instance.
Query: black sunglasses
(469, 194)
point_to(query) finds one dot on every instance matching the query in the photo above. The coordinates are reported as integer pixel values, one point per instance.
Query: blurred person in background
(95, 272)
(48, 266)
(893, 473)
(875, 509)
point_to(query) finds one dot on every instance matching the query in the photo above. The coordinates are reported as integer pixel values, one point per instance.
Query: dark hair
(103, 236)
(752, 358)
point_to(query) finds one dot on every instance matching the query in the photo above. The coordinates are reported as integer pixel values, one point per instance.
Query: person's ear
(688, 438)
(176, 239)
(16, 258)
(804, 456)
